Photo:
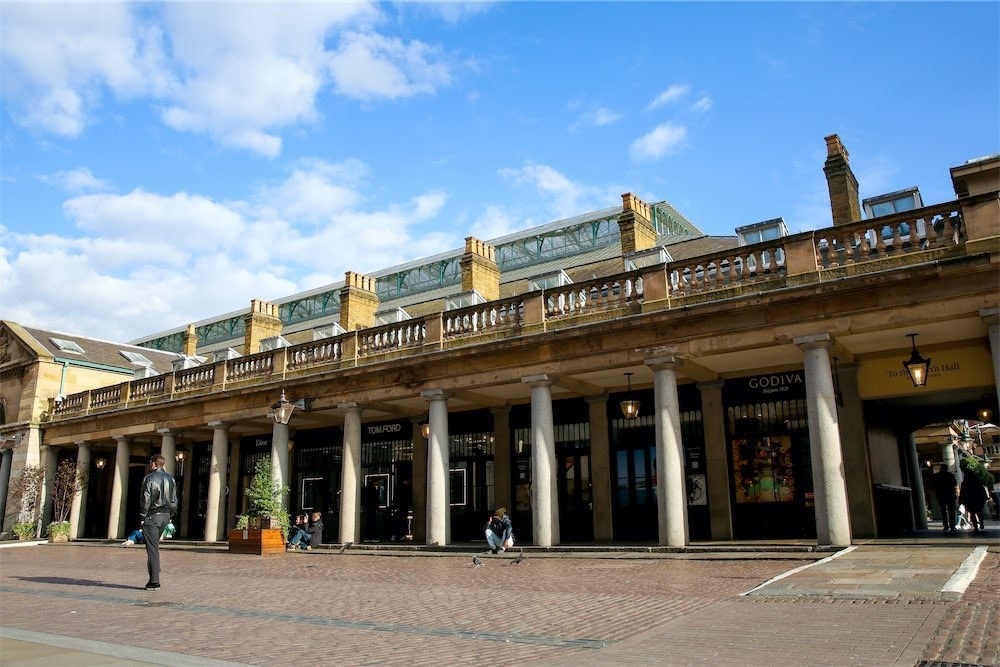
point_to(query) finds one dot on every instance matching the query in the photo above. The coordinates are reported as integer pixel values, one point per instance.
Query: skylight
(136, 358)
(67, 345)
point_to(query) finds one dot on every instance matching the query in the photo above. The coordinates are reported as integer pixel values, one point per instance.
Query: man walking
(945, 487)
(157, 505)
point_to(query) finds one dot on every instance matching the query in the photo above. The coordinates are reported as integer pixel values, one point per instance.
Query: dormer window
(893, 202)
(136, 358)
(470, 298)
(549, 281)
(642, 259)
(67, 346)
(768, 230)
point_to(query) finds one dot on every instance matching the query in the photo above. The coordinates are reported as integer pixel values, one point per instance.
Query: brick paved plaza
(357, 608)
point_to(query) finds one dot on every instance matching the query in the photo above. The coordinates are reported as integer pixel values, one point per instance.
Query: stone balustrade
(911, 237)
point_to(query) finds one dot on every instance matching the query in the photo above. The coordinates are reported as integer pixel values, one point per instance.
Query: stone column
(600, 467)
(671, 498)
(991, 318)
(350, 476)
(438, 463)
(186, 485)
(217, 481)
(168, 449)
(717, 460)
(855, 452)
(279, 457)
(419, 527)
(51, 463)
(544, 504)
(8, 456)
(119, 489)
(234, 482)
(919, 502)
(501, 457)
(833, 525)
(78, 509)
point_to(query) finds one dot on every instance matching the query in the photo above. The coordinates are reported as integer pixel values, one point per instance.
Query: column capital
(500, 410)
(82, 443)
(711, 385)
(169, 431)
(596, 398)
(436, 395)
(814, 341)
(218, 425)
(537, 380)
(990, 316)
(351, 406)
(126, 439)
(666, 362)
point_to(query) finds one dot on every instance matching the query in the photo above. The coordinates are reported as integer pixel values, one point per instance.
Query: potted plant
(25, 530)
(263, 529)
(69, 480)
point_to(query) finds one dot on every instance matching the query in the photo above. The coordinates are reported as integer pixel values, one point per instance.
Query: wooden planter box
(259, 542)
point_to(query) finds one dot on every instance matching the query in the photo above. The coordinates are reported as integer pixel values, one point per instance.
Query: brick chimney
(262, 322)
(358, 302)
(190, 344)
(636, 224)
(479, 269)
(844, 202)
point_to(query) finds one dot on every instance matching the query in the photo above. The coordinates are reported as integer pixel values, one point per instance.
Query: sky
(164, 163)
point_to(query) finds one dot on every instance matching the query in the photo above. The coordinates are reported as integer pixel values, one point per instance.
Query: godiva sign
(951, 368)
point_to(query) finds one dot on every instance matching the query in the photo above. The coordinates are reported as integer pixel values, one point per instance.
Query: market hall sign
(780, 386)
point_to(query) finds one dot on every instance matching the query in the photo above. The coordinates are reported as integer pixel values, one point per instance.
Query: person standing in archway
(972, 494)
(945, 488)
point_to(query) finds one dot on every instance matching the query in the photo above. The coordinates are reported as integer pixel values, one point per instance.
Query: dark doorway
(576, 511)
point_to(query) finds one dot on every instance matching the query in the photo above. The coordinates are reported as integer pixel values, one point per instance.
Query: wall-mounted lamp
(100, 463)
(630, 406)
(425, 429)
(985, 410)
(916, 365)
(282, 410)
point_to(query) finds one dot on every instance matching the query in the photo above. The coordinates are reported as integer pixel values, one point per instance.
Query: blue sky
(165, 163)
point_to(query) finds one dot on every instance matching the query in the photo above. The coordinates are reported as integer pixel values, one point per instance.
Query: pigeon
(476, 561)
(520, 557)
(347, 545)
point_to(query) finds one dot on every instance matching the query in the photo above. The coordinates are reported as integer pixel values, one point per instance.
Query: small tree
(265, 497)
(70, 479)
(970, 465)
(26, 500)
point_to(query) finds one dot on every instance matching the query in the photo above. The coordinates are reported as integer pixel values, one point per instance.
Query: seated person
(297, 530)
(135, 537)
(499, 531)
(312, 538)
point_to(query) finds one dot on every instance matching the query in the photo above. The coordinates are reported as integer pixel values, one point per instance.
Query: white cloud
(664, 139)
(147, 262)
(56, 59)
(368, 66)
(562, 197)
(704, 103)
(598, 118)
(453, 11)
(671, 94)
(239, 73)
(76, 181)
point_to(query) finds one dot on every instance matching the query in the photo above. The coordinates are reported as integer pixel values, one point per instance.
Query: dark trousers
(948, 511)
(152, 528)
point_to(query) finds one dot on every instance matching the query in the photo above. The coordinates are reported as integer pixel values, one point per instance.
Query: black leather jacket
(159, 494)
